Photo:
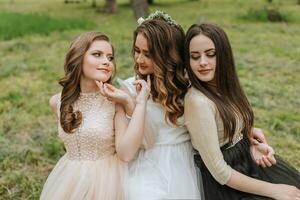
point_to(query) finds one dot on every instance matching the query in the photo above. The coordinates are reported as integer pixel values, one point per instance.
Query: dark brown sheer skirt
(239, 158)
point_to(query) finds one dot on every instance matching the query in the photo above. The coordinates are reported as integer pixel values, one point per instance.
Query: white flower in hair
(140, 20)
(158, 15)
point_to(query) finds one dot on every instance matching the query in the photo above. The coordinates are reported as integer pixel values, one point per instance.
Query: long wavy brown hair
(70, 119)
(169, 84)
(228, 96)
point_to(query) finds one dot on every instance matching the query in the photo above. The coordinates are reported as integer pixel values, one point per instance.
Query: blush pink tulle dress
(90, 169)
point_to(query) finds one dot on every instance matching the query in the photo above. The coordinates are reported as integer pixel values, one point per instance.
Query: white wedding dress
(164, 166)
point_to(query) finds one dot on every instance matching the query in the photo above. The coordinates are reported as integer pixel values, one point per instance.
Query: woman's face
(142, 56)
(203, 58)
(98, 61)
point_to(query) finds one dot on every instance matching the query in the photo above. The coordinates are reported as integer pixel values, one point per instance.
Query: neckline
(90, 94)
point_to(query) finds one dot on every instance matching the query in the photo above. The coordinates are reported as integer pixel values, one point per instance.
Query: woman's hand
(262, 154)
(143, 89)
(257, 136)
(113, 94)
(285, 192)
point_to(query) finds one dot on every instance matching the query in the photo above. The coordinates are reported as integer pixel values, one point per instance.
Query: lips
(143, 67)
(104, 70)
(204, 71)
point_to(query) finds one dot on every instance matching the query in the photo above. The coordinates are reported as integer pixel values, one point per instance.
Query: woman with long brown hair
(95, 131)
(163, 167)
(219, 118)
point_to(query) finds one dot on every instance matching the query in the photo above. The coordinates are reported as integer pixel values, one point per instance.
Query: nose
(203, 60)
(104, 61)
(140, 58)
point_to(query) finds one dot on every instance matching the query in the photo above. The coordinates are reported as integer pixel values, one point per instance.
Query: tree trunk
(111, 6)
(140, 8)
(94, 3)
(150, 2)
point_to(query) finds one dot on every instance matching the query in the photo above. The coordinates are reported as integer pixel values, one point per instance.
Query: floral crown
(158, 15)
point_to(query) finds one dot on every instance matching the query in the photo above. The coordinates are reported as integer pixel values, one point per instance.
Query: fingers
(149, 81)
(100, 86)
(142, 84)
(266, 161)
(270, 155)
(254, 141)
(272, 159)
(257, 161)
(105, 89)
(261, 163)
(110, 87)
(138, 86)
(259, 135)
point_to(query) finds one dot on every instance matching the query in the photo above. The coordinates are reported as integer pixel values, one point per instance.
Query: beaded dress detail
(90, 169)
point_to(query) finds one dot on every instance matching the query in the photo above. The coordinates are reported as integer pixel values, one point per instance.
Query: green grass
(19, 24)
(267, 56)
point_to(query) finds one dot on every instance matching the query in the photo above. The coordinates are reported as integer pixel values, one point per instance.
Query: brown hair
(165, 45)
(70, 119)
(229, 96)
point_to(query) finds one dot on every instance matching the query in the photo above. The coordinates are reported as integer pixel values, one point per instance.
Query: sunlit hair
(228, 95)
(169, 84)
(69, 118)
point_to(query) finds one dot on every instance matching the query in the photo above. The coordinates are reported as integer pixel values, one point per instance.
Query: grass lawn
(35, 35)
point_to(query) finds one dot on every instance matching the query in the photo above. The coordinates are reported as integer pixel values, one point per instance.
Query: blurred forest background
(35, 36)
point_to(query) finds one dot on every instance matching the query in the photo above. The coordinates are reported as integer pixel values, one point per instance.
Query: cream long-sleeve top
(207, 133)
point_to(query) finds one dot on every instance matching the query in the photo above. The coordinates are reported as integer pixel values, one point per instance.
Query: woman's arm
(129, 135)
(247, 184)
(202, 125)
(53, 101)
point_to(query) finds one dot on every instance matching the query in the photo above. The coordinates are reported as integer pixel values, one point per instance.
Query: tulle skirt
(86, 180)
(163, 172)
(239, 158)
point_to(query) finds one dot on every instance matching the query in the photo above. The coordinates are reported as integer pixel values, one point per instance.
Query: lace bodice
(94, 139)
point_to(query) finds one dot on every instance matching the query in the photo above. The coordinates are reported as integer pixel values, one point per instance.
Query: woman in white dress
(164, 166)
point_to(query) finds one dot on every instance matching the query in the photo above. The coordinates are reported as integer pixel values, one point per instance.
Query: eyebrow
(210, 49)
(98, 51)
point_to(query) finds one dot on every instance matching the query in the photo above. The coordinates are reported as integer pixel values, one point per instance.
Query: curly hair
(70, 119)
(169, 83)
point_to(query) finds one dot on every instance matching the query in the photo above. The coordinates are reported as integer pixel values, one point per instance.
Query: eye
(147, 55)
(211, 54)
(96, 54)
(110, 58)
(136, 50)
(194, 57)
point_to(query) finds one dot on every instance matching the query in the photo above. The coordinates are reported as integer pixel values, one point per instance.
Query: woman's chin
(102, 78)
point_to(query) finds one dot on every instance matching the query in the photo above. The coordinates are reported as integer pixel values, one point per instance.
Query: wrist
(128, 103)
(129, 106)
(127, 100)
(270, 189)
(141, 103)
